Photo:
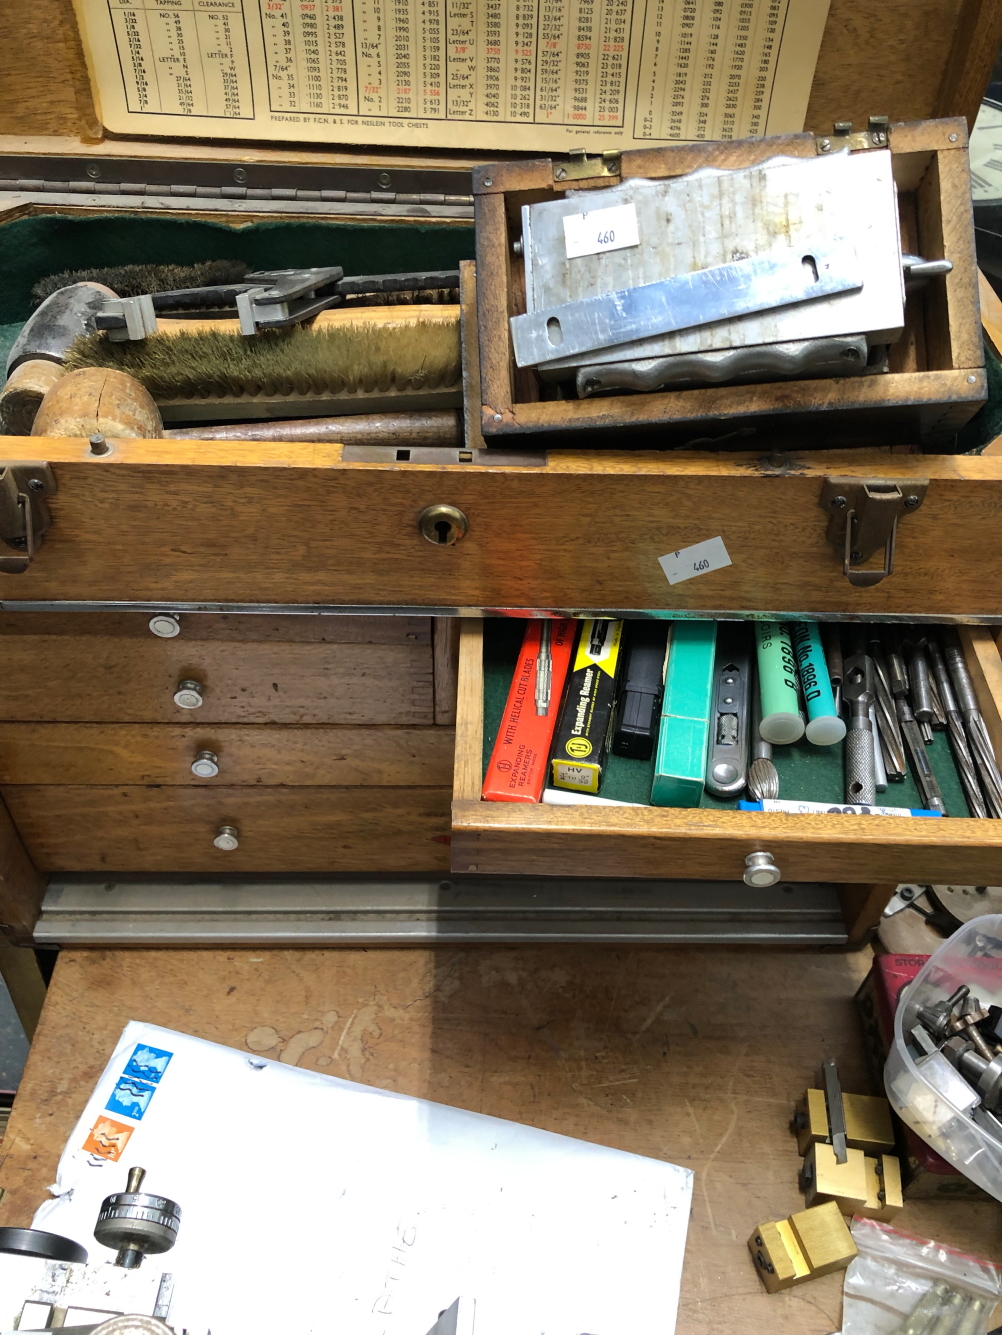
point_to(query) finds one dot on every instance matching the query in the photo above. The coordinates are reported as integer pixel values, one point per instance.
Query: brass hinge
(876, 135)
(24, 515)
(864, 516)
(581, 167)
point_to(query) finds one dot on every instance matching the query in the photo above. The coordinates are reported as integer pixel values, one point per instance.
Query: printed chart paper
(537, 75)
(312, 1204)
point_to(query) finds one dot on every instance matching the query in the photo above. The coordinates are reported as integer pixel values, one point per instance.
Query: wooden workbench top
(691, 1055)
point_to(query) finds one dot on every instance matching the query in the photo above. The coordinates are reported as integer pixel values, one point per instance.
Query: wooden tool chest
(333, 725)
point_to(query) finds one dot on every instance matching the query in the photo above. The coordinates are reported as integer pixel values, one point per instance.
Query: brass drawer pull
(228, 838)
(188, 694)
(205, 765)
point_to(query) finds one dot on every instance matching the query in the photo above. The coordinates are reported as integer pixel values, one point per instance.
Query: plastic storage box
(933, 1106)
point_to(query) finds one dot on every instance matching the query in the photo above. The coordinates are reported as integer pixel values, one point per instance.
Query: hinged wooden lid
(907, 59)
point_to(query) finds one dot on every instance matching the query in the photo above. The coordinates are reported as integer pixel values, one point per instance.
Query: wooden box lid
(906, 59)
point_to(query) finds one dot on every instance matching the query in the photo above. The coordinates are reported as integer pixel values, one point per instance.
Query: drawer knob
(443, 525)
(228, 838)
(188, 694)
(165, 625)
(760, 870)
(205, 765)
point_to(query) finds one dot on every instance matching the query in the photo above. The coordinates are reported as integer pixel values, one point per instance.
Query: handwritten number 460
(607, 237)
(701, 565)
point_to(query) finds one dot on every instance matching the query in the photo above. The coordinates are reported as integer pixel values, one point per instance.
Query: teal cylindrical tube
(824, 727)
(777, 684)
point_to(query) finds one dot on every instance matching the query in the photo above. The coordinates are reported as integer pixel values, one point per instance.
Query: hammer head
(61, 318)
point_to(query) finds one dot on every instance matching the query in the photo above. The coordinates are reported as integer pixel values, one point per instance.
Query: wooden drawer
(248, 755)
(583, 530)
(120, 679)
(280, 829)
(496, 838)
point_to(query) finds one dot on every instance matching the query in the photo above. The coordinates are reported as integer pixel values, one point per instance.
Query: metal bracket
(581, 167)
(876, 135)
(24, 515)
(864, 516)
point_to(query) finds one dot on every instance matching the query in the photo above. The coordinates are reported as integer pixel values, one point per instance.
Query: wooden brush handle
(22, 395)
(97, 401)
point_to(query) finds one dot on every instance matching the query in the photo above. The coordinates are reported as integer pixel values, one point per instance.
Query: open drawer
(494, 838)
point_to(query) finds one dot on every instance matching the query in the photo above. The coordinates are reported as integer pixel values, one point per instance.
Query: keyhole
(444, 529)
(811, 265)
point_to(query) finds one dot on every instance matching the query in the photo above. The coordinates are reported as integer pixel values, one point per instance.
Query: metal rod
(402, 430)
(932, 796)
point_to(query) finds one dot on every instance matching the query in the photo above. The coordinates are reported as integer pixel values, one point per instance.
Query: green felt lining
(806, 773)
(32, 248)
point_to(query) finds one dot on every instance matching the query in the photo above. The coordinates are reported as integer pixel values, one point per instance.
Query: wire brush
(136, 280)
(412, 353)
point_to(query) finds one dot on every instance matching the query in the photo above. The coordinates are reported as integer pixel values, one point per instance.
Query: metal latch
(24, 515)
(864, 518)
(876, 135)
(583, 168)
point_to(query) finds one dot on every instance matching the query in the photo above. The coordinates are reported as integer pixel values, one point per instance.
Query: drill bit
(980, 742)
(763, 779)
(897, 675)
(920, 684)
(857, 690)
(932, 797)
(887, 721)
(544, 670)
(955, 731)
(879, 768)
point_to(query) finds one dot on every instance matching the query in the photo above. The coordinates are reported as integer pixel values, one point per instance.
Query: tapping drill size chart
(506, 74)
(184, 57)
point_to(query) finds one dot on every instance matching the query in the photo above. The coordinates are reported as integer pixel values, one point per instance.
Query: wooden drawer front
(248, 755)
(585, 531)
(104, 678)
(280, 829)
(496, 838)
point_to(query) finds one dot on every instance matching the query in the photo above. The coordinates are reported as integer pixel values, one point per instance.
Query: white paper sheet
(315, 1204)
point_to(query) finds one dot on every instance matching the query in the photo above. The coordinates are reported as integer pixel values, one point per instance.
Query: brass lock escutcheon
(863, 518)
(24, 515)
(443, 525)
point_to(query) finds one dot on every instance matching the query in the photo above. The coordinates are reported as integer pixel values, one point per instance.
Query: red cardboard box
(517, 768)
(925, 1173)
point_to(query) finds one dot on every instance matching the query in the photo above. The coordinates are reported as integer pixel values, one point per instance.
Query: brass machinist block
(823, 1179)
(868, 1124)
(811, 1242)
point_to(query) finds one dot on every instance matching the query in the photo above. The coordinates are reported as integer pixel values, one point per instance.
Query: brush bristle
(413, 355)
(763, 780)
(136, 280)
